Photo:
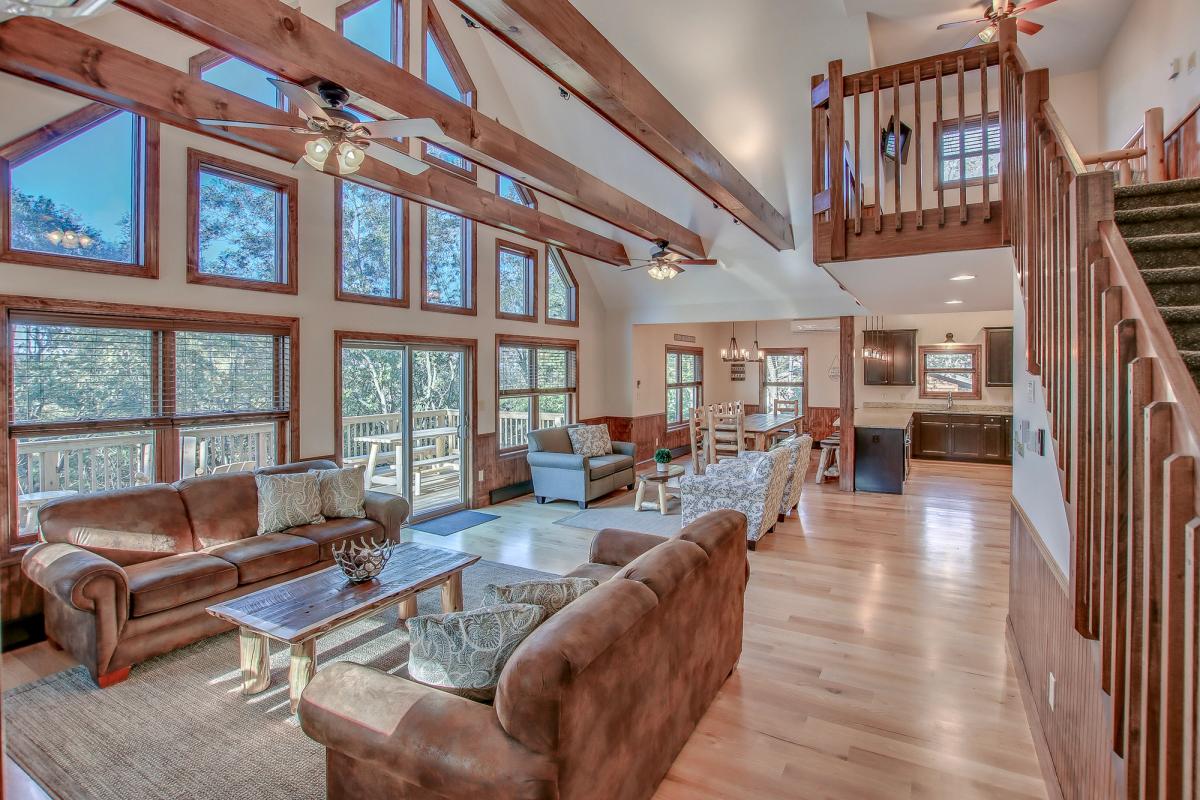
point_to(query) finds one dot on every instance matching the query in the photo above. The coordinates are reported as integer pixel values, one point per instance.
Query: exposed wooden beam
(283, 40)
(560, 40)
(64, 58)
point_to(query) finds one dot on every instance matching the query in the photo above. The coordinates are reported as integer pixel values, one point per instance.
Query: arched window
(562, 290)
(445, 71)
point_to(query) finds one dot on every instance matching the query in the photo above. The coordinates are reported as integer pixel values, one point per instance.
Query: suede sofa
(128, 574)
(559, 474)
(595, 703)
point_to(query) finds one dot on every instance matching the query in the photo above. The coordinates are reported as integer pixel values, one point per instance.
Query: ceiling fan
(996, 11)
(340, 134)
(664, 265)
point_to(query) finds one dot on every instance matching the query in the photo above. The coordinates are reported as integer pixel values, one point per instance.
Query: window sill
(57, 261)
(442, 309)
(194, 275)
(517, 317)
(566, 323)
(370, 299)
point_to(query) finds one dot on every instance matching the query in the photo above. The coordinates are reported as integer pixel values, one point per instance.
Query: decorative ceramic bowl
(361, 560)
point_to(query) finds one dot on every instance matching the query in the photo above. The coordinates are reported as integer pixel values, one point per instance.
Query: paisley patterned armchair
(800, 448)
(756, 491)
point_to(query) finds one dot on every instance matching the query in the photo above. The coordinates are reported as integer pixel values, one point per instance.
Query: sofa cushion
(603, 466)
(550, 440)
(590, 440)
(222, 508)
(266, 556)
(297, 466)
(598, 572)
(342, 491)
(127, 526)
(172, 581)
(285, 501)
(334, 531)
(662, 568)
(552, 594)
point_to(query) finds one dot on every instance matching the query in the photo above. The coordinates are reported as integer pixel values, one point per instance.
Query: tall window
(514, 192)
(445, 71)
(784, 373)
(685, 379)
(371, 255)
(516, 282)
(447, 274)
(242, 77)
(562, 291)
(536, 387)
(102, 400)
(961, 153)
(949, 370)
(241, 225)
(377, 26)
(64, 207)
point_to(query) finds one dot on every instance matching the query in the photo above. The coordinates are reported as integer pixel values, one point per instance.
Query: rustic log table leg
(452, 595)
(255, 652)
(662, 497)
(640, 496)
(303, 667)
(408, 607)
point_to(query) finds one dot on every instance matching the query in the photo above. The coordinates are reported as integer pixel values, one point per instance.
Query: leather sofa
(127, 574)
(559, 474)
(595, 703)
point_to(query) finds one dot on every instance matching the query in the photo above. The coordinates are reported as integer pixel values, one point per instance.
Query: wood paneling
(818, 421)
(1042, 621)
(1183, 147)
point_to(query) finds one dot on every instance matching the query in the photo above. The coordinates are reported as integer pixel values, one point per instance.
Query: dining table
(762, 427)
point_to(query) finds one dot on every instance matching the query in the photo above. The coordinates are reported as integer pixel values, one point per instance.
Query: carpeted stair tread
(1157, 213)
(1149, 195)
(1171, 275)
(1162, 187)
(1173, 286)
(1158, 220)
(1177, 315)
(1166, 241)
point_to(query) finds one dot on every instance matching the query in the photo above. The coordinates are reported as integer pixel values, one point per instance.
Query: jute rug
(618, 512)
(179, 727)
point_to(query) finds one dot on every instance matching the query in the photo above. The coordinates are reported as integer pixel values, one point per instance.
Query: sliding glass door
(405, 418)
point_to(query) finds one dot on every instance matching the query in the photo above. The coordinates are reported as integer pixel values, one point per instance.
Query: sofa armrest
(78, 577)
(543, 458)
(438, 741)
(388, 510)
(625, 449)
(617, 548)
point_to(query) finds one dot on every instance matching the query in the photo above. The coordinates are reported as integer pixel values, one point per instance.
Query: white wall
(1134, 72)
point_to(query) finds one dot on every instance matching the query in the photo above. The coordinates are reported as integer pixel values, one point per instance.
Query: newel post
(1156, 157)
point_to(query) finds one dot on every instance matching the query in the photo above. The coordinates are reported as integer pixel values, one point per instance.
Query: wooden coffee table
(300, 610)
(660, 478)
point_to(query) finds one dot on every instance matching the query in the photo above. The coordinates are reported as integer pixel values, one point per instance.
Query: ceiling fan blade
(400, 161)
(421, 128)
(1028, 28)
(232, 123)
(698, 262)
(307, 102)
(974, 41)
(946, 25)
(631, 269)
(1031, 5)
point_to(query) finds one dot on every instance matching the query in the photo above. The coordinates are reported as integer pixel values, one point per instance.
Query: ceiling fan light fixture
(988, 34)
(349, 158)
(53, 9)
(316, 152)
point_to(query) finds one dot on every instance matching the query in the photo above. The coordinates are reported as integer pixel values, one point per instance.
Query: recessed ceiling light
(963, 278)
(954, 302)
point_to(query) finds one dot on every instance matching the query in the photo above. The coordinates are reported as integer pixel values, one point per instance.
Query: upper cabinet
(898, 364)
(999, 356)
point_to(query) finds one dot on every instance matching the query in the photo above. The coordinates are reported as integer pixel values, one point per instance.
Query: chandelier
(740, 355)
(873, 339)
(71, 240)
(663, 271)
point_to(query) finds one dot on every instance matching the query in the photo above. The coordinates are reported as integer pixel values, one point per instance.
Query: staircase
(1161, 224)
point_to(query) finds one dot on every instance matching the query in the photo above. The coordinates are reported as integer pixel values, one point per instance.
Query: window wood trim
(146, 201)
(522, 189)
(213, 57)
(400, 272)
(976, 350)
(470, 279)
(136, 316)
(289, 188)
(399, 37)
(531, 280)
(573, 412)
(762, 373)
(573, 322)
(668, 386)
(955, 124)
(433, 25)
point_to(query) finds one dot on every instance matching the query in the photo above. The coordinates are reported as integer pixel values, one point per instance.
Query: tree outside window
(536, 388)
(447, 262)
(950, 371)
(783, 377)
(685, 379)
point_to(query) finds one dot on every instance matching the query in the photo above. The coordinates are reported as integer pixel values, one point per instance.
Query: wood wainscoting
(1072, 740)
(818, 421)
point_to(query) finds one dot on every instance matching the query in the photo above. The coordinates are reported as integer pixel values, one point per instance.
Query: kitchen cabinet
(898, 367)
(963, 436)
(998, 356)
(881, 458)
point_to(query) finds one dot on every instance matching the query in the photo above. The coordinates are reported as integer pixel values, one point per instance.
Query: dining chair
(786, 406)
(699, 441)
(726, 435)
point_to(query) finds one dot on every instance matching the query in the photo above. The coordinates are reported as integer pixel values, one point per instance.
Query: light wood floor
(874, 663)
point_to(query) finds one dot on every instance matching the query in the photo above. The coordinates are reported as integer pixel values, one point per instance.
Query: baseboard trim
(1040, 747)
(510, 492)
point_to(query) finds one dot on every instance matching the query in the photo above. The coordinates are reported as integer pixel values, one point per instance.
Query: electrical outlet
(480, 478)
(1050, 690)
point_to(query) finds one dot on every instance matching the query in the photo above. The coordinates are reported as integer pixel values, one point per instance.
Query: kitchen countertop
(897, 418)
(933, 408)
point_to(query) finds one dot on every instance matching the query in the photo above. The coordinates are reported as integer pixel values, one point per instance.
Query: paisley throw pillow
(464, 652)
(552, 595)
(590, 440)
(285, 501)
(342, 492)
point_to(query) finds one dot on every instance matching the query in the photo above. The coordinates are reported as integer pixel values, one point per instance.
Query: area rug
(179, 727)
(453, 523)
(619, 513)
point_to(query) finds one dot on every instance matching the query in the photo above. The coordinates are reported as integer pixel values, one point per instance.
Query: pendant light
(755, 356)
(734, 354)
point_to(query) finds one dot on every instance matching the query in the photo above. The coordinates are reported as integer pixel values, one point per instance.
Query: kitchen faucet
(950, 400)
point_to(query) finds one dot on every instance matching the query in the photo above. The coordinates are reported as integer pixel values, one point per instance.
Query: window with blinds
(961, 151)
(685, 380)
(222, 373)
(536, 388)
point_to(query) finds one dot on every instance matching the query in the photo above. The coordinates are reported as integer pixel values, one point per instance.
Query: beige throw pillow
(285, 501)
(590, 440)
(342, 492)
(552, 595)
(464, 652)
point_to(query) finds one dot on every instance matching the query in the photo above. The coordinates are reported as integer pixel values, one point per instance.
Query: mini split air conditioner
(815, 326)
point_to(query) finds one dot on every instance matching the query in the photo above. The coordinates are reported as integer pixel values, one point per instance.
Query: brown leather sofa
(128, 574)
(596, 703)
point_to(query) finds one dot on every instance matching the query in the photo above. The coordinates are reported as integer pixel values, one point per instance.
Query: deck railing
(511, 428)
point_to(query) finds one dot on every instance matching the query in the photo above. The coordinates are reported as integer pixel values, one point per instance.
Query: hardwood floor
(874, 662)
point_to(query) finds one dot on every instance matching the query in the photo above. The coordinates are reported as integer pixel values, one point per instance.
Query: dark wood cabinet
(963, 436)
(898, 367)
(881, 459)
(998, 356)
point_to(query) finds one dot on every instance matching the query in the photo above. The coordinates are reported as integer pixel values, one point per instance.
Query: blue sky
(371, 28)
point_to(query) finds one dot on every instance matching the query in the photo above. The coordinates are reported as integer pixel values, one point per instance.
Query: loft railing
(1142, 159)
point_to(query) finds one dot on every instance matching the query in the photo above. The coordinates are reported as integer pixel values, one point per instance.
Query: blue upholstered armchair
(560, 474)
